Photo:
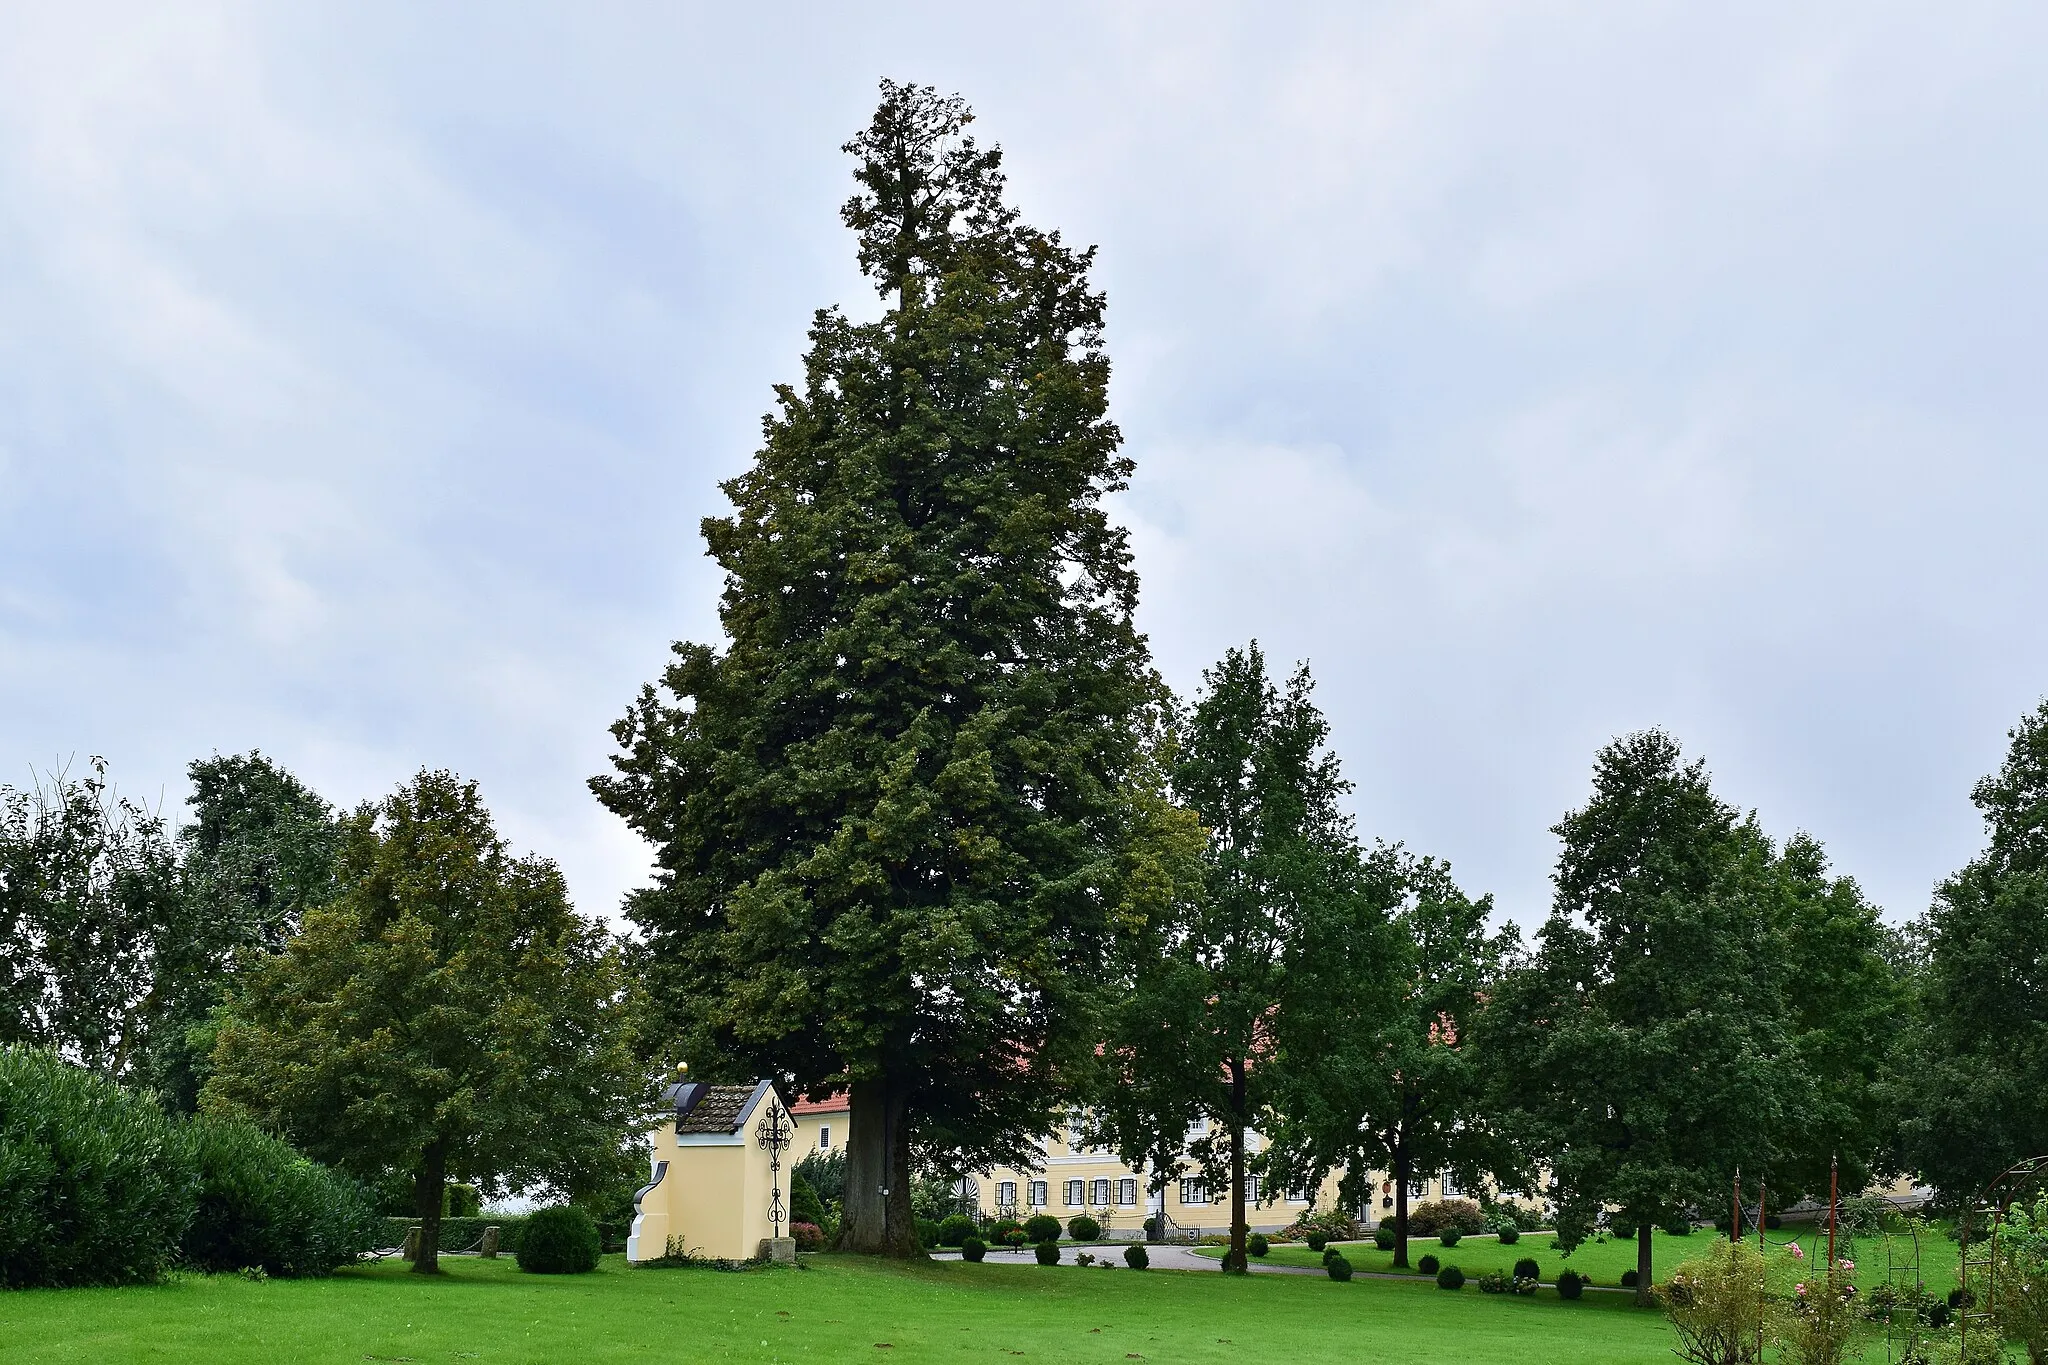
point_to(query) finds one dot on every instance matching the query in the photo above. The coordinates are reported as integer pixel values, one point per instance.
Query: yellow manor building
(1076, 1178)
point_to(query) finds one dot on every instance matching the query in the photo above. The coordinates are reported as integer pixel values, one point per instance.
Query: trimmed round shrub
(1337, 1267)
(1623, 1227)
(807, 1236)
(1015, 1238)
(1678, 1227)
(1527, 1269)
(1450, 1236)
(1152, 1228)
(972, 1248)
(1510, 1234)
(1048, 1253)
(1431, 1217)
(927, 1232)
(262, 1204)
(955, 1229)
(1002, 1228)
(1257, 1245)
(1331, 1253)
(1628, 1279)
(96, 1183)
(1384, 1237)
(1450, 1277)
(1427, 1265)
(1570, 1284)
(1041, 1227)
(1135, 1257)
(1082, 1228)
(558, 1241)
(1493, 1282)
(1318, 1240)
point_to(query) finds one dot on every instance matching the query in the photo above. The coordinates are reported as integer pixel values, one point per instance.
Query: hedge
(261, 1203)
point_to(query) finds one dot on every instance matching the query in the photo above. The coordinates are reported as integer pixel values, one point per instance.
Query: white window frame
(1127, 1193)
(1036, 1194)
(1075, 1193)
(824, 1137)
(1297, 1195)
(1098, 1192)
(1193, 1185)
(1006, 1194)
(1251, 1191)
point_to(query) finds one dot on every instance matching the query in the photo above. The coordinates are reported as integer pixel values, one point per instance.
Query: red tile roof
(831, 1104)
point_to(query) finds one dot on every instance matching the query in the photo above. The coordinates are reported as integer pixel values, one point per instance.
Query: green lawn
(1605, 1261)
(839, 1309)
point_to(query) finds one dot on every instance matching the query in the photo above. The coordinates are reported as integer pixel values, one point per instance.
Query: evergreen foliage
(558, 1241)
(96, 1183)
(886, 811)
(263, 1204)
(448, 1013)
(804, 1204)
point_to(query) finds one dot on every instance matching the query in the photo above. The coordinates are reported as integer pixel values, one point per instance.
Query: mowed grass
(837, 1309)
(1876, 1262)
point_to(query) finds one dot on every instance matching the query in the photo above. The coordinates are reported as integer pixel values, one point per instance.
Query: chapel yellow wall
(714, 1198)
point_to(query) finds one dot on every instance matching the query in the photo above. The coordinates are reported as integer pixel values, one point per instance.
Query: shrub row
(99, 1186)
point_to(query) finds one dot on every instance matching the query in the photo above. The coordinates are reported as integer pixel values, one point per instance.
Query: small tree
(2021, 1301)
(449, 1014)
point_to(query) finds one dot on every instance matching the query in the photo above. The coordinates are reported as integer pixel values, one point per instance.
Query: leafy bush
(1628, 1279)
(804, 1204)
(1002, 1228)
(1384, 1237)
(808, 1236)
(1152, 1228)
(1082, 1228)
(1570, 1284)
(1527, 1269)
(972, 1248)
(1427, 1265)
(1678, 1227)
(1048, 1253)
(1623, 1227)
(1429, 1219)
(1335, 1225)
(1317, 1240)
(1337, 1268)
(1450, 1277)
(459, 1201)
(1041, 1227)
(1331, 1253)
(1015, 1238)
(263, 1204)
(1257, 1245)
(825, 1173)
(1510, 1235)
(927, 1232)
(96, 1183)
(955, 1230)
(1494, 1282)
(1719, 1301)
(558, 1241)
(1135, 1257)
(1450, 1236)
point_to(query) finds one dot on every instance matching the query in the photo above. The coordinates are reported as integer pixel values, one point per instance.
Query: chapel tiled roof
(719, 1108)
(832, 1104)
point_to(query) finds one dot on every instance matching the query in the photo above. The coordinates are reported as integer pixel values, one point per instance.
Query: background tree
(1981, 1066)
(1377, 1067)
(1194, 1038)
(1643, 1052)
(91, 922)
(885, 815)
(258, 850)
(448, 1013)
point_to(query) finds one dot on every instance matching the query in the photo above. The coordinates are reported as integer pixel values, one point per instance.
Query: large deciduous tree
(1981, 1070)
(448, 1013)
(92, 926)
(1645, 1051)
(1377, 1068)
(1192, 1041)
(885, 812)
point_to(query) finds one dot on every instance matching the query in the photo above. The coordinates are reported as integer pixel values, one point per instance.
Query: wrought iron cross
(774, 1137)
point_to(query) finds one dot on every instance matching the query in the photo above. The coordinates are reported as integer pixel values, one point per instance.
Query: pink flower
(1800, 1290)
(1847, 1264)
(1798, 1252)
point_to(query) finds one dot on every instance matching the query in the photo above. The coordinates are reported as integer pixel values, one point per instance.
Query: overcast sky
(1538, 372)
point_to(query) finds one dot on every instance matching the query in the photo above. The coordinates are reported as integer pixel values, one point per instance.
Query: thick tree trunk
(1401, 1165)
(1644, 1299)
(428, 1181)
(1235, 1260)
(876, 1219)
